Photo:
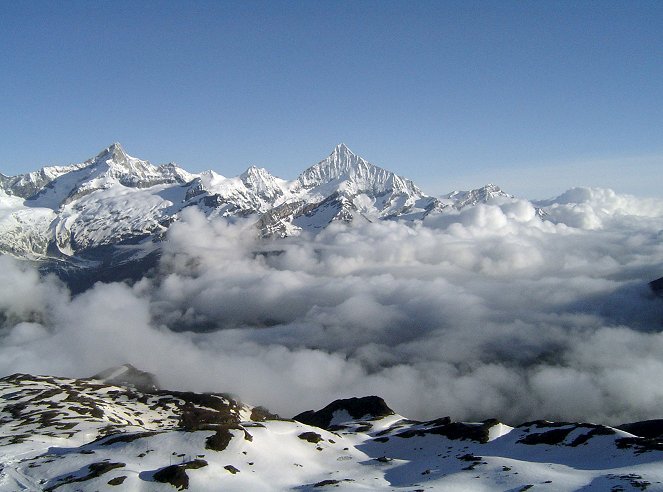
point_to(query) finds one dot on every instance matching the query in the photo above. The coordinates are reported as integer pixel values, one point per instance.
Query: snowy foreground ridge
(105, 433)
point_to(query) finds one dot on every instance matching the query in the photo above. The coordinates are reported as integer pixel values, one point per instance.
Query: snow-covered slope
(83, 435)
(104, 200)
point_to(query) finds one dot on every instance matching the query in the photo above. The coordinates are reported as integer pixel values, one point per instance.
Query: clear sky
(534, 96)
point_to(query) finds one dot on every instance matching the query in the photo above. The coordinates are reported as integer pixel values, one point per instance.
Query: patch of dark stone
(47, 394)
(454, 431)
(559, 431)
(219, 440)
(634, 481)
(231, 469)
(646, 428)
(93, 471)
(176, 475)
(372, 406)
(195, 418)
(312, 437)
(595, 430)
(40, 407)
(16, 409)
(475, 460)
(325, 483)
(639, 445)
(551, 437)
(15, 439)
(260, 414)
(17, 378)
(470, 457)
(123, 437)
(202, 411)
(93, 411)
(364, 427)
(222, 437)
(117, 480)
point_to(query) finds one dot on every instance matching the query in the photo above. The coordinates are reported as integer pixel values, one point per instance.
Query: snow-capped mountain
(485, 194)
(92, 434)
(81, 212)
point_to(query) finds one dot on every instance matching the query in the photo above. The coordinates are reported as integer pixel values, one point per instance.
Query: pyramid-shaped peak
(342, 148)
(255, 172)
(113, 152)
(260, 180)
(253, 169)
(351, 172)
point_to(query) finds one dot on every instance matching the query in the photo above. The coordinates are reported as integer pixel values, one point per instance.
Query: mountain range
(79, 213)
(119, 431)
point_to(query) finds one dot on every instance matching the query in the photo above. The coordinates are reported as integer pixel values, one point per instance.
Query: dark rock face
(646, 428)
(550, 437)
(260, 414)
(220, 440)
(312, 437)
(365, 407)
(556, 433)
(176, 474)
(452, 430)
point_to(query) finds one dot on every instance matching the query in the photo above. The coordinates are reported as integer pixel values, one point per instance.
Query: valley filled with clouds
(487, 312)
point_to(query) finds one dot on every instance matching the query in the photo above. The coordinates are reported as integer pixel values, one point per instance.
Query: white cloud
(489, 312)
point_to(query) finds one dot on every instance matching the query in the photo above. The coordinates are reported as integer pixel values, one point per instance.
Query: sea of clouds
(487, 312)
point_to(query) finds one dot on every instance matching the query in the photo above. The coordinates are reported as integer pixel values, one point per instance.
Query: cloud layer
(490, 312)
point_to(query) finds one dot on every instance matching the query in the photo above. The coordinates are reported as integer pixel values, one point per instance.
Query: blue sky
(534, 96)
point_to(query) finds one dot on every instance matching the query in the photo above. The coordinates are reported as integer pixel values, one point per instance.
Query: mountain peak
(342, 153)
(261, 181)
(478, 195)
(253, 170)
(342, 162)
(342, 148)
(113, 152)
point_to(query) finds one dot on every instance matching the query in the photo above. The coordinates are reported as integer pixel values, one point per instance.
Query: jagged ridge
(115, 199)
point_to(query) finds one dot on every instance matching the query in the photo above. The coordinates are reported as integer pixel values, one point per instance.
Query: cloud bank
(489, 312)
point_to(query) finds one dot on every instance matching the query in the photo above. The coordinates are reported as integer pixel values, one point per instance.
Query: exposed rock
(176, 474)
(312, 437)
(645, 428)
(358, 408)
